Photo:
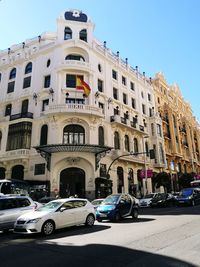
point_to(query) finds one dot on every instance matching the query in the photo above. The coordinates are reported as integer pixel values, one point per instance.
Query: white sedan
(56, 214)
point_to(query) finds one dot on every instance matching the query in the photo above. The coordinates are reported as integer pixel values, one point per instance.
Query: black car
(163, 200)
(117, 206)
(189, 196)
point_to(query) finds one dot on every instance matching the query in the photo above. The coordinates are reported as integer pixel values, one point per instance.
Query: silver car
(13, 206)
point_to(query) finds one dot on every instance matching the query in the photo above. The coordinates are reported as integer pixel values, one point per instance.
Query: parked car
(163, 200)
(97, 202)
(11, 207)
(189, 196)
(45, 200)
(146, 200)
(56, 214)
(117, 206)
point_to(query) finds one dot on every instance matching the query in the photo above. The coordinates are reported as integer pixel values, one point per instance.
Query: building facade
(181, 131)
(56, 134)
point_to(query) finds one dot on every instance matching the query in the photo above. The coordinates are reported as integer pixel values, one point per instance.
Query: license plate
(103, 215)
(18, 226)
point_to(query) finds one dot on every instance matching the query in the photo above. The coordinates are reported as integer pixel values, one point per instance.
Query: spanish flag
(81, 85)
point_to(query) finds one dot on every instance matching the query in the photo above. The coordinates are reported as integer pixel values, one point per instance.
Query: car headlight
(190, 197)
(34, 220)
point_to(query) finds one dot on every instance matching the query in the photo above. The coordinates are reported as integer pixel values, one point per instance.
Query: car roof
(13, 196)
(69, 199)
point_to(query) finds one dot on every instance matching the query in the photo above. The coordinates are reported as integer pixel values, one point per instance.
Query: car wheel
(90, 220)
(135, 213)
(48, 228)
(116, 217)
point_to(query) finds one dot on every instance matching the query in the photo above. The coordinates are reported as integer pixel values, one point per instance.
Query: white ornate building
(51, 133)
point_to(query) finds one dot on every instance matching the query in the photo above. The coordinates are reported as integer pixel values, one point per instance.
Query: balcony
(27, 115)
(126, 122)
(79, 109)
(13, 154)
(75, 64)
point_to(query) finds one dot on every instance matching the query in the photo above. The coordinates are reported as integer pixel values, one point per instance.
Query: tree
(185, 179)
(163, 179)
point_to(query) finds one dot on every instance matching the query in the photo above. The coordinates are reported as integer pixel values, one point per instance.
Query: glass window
(99, 68)
(133, 103)
(126, 143)
(132, 85)
(12, 74)
(8, 110)
(28, 68)
(0, 76)
(24, 108)
(114, 74)
(44, 135)
(19, 136)
(149, 97)
(115, 93)
(75, 57)
(101, 136)
(39, 169)
(67, 33)
(135, 143)
(116, 140)
(124, 98)
(143, 109)
(83, 35)
(159, 131)
(9, 203)
(71, 80)
(27, 82)
(73, 134)
(100, 85)
(79, 203)
(11, 87)
(123, 80)
(24, 202)
(47, 81)
(48, 63)
(45, 103)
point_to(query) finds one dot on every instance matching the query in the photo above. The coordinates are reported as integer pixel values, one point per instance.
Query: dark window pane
(27, 82)
(12, 74)
(28, 68)
(11, 87)
(83, 35)
(39, 169)
(47, 81)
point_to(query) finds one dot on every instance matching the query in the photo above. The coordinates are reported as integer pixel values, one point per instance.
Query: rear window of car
(9, 203)
(79, 203)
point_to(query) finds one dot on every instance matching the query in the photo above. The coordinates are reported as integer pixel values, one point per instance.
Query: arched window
(73, 134)
(18, 172)
(126, 143)
(116, 140)
(67, 33)
(28, 68)
(24, 108)
(101, 136)
(0, 140)
(135, 144)
(12, 74)
(44, 135)
(83, 35)
(48, 63)
(74, 57)
(120, 176)
(8, 110)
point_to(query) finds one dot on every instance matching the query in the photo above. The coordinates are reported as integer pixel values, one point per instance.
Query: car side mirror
(62, 209)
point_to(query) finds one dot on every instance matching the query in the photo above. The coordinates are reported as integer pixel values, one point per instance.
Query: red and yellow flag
(81, 85)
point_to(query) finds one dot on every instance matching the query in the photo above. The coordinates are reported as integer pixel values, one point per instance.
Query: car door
(125, 205)
(80, 210)
(8, 212)
(65, 215)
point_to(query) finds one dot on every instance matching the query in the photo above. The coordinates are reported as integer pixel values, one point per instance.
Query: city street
(160, 237)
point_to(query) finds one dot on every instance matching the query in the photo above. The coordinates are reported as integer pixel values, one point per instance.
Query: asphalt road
(160, 237)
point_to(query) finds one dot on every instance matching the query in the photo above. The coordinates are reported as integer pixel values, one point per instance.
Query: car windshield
(149, 196)
(186, 192)
(50, 206)
(160, 196)
(111, 200)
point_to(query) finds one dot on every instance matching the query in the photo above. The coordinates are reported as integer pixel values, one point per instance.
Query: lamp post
(145, 164)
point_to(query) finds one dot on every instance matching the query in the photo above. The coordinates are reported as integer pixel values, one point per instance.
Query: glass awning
(46, 150)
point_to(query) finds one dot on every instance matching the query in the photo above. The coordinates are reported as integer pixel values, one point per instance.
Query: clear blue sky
(156, 35)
